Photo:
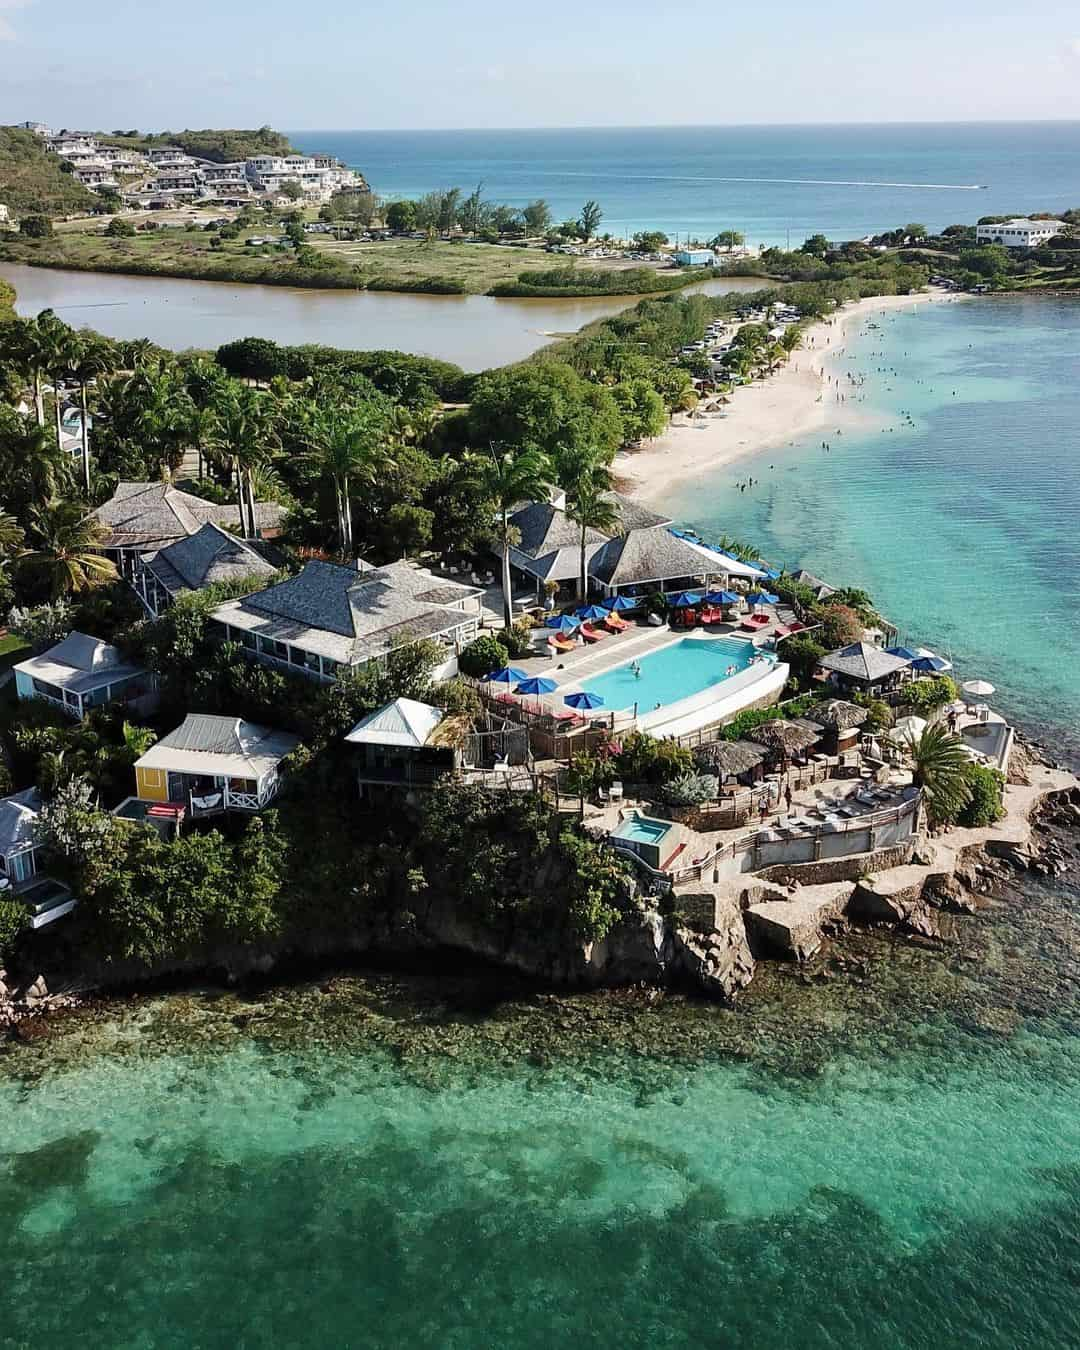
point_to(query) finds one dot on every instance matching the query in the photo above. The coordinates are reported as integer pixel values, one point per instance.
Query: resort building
(822, 590)
(659, 559)
(82, 673)
(143, 517)
(647, 554)
(400, 745)
(1019, 233)
(21, 861)
(862, 668)
(213, 764)
(209, 555)
(328, 617)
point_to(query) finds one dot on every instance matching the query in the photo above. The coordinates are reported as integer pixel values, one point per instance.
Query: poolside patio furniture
(591, 634)
(615, 624)
(712, 615)
(615, 792)
(562, 644)
(755, 622)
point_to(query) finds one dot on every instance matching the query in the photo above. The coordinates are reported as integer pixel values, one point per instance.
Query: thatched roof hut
(783, 737)
(731, 758)
(837, 714)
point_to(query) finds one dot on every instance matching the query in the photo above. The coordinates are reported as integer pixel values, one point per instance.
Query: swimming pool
(674, 672)
(641, 830)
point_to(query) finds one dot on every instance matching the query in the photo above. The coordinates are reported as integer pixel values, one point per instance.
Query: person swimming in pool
(636, 669)
(730, 670)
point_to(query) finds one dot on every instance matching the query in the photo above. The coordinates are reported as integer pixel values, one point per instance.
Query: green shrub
(985, 805)
(517, 640)
(689, 789)
(928, 695)
(14, 918)
(802, 654)
(483, 655)
(641, 758)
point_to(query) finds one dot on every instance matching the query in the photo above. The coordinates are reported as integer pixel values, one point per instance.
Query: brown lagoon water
(475, 331)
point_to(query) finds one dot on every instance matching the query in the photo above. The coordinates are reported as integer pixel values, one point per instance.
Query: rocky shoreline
(714, 948)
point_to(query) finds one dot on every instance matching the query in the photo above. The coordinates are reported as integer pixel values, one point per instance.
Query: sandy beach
(775, 411)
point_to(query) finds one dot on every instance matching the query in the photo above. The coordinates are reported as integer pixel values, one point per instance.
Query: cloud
(7, 33)
(1074, 47)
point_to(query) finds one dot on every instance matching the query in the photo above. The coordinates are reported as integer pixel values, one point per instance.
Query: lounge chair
(711, 616)
(615, 624)
(755, 621)
(591, 634)
(561, 644)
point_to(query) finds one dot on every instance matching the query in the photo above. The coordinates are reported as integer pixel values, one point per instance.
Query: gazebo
(740, 760)
(784, 740)
(840, 720)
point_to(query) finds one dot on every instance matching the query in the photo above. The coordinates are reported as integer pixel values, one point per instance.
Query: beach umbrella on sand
(619, 602)
(508, 675)
(722, 597)
(584, 700)
(685, 599)
(591, 613)
(974, 689)
(538, 684)
(563, 623)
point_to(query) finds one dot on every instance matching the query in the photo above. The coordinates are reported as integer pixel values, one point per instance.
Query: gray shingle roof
(18, 814)
(545, 529)
(210, 554)
(154, 515)
(863, 661)
(820, 588)
(345, 613)
(646, 555)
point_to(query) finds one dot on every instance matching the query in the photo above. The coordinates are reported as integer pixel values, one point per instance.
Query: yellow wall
(151, 785)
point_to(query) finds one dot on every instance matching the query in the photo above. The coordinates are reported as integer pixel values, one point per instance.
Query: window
(22, 866)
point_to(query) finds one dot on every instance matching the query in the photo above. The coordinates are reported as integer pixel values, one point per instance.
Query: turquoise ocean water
(950, 491)
(888, 1158)
(844, 181)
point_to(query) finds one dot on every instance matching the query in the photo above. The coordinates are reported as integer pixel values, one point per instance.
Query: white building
(1019, 233)
(5, 214)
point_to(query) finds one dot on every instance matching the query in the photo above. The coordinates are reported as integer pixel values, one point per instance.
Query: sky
(435, 64)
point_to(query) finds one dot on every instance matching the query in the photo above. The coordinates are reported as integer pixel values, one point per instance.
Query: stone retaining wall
(848, 868)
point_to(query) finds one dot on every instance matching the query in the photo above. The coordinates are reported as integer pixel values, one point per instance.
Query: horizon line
(710, 126)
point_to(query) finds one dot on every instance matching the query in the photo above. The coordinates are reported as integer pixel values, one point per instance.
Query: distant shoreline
(782, 408)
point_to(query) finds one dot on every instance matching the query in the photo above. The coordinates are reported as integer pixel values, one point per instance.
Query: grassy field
(404, 264)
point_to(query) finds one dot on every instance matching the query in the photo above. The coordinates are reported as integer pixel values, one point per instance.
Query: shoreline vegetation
(380, 449)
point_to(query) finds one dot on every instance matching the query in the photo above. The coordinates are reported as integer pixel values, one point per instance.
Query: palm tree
(47, 469)
(24, 350)
(59, 350)
(939, 765)
(791, 339)
(92, 360)
(585, 477)
(66, 552)
(349, 444)
(508, 477)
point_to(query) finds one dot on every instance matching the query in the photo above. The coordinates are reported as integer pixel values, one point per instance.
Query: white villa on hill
(329, 616)
(1019, 233)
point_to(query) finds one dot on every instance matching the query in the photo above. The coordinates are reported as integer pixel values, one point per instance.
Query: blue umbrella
(722, 598)
(584, 700)
(617, 602)
(762, 598)
(930, 665)
(508, 675)
(684, 599)
(905, 653)
(564, 623)
(539, 684)
(591, 612)
(770, 572)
